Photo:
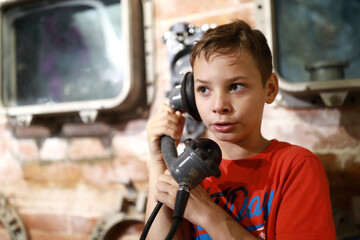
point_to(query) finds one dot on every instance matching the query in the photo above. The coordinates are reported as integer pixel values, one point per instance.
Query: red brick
(100, 174)
(46, 222)
(5, 143)
(312, 128)
(119, 170)
(32, 131)
(10, 170)
(87, 149)
(83, 130)
(131, 141)
(27, 149)
(310, 136)
(61, 173)
(335, 138)
(3, 123)
(54, 149)
(39, 235)
(134, 169)
(82, 225)
(136, 126)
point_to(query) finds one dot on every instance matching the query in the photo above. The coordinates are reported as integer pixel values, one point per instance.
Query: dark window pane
(317, 33)
(69, 51)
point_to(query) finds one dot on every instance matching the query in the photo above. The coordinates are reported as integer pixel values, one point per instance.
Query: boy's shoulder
(279, 150)
(296, 163)
(277, 145)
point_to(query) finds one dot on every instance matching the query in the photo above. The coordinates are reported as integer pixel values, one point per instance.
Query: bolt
(335, 100)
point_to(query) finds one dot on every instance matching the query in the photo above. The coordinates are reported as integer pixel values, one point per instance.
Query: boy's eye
(203, 90)
(236, 87)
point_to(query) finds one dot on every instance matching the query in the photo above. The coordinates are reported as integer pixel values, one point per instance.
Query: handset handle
(200, 159)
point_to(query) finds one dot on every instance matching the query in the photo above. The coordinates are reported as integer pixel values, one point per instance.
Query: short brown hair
(229, 39)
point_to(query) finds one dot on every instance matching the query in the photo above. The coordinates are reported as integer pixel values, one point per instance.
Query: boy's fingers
(166, 190)
(164, 187)
(166, 177)
(167, 108)
(165, 198)
(164, 124)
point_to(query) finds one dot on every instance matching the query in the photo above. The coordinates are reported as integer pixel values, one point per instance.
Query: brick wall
(62, 186)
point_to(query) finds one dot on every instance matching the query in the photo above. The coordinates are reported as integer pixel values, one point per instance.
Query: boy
(268, 189)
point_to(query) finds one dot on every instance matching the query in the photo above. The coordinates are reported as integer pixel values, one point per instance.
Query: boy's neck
(241, 150)
(235, 151)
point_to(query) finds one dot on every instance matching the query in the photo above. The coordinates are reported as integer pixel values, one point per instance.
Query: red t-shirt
(280, 193)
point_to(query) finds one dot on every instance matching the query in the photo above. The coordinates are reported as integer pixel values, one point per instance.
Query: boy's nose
(221, 104)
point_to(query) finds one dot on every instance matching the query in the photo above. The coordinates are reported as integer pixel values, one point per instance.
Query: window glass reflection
(65, 53)
(314, 36)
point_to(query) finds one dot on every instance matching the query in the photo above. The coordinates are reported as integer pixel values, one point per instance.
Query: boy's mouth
(223, 126)
(222, 123)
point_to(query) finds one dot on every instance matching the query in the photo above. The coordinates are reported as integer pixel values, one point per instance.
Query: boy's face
(230, 97)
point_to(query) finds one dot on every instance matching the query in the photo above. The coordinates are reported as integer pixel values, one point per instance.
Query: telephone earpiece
(182, 97)
(200, 159)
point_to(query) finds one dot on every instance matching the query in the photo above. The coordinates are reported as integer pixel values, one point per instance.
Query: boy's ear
(272, 88)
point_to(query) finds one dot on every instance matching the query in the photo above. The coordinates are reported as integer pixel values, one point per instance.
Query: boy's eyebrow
(201, 81)
(233, 79)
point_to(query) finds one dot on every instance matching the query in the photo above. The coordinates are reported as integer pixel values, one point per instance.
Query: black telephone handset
(200, 159)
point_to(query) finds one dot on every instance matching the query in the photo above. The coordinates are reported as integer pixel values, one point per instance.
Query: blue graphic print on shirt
(250, 208)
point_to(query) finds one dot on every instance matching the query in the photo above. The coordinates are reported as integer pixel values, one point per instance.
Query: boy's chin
(226, 137)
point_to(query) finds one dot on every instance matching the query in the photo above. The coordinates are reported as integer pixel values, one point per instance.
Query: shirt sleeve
(305, 209)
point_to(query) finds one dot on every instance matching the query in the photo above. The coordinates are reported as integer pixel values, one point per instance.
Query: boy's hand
(165, 122)
(199, 203)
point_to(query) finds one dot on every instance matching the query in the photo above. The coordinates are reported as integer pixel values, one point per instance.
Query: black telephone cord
(150, 220)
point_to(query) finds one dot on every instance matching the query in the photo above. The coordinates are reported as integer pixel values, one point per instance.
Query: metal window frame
(328, 93)
(139, 88)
